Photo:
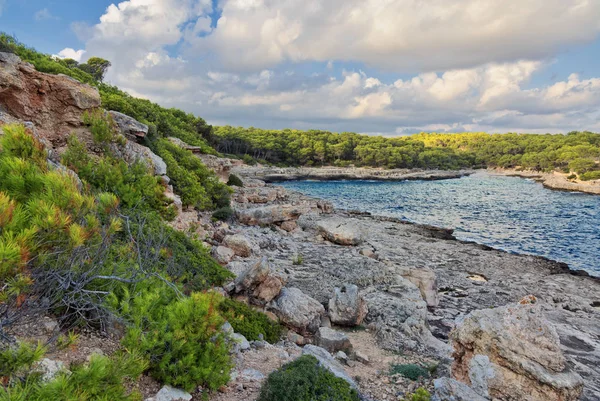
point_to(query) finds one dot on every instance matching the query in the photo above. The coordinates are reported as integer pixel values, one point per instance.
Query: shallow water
(515, 214)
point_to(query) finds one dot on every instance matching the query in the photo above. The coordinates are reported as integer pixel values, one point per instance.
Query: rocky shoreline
(555, 180)
(278, 174)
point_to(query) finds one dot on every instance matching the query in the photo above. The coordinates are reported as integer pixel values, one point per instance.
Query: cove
(509, 213)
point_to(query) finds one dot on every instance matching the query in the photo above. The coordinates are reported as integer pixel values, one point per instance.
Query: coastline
(555, 180)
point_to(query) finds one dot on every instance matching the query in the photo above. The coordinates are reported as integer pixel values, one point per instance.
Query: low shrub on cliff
(223, 213)
(181, 337)
(305, 380)
(234, 180)
(590, 175)
(248, 322)
(410, 371)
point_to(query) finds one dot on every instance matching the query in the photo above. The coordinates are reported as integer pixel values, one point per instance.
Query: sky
(382, 67)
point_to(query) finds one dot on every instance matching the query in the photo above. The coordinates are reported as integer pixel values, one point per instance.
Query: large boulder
(298, 310)
(260, 283)
(328, 362)
(240, 245)
(447, 389)
(347, 307)
(513, 353)
(341, 231)
(53, 103)
(426, 281)
(129, 126)
(222, 254)
(132, 152)
(266, 215)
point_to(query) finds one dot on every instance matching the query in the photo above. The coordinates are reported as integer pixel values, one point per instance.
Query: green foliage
(95, 66)
(298, 260)
(223, 213)
(181, 338)
(248, 322)
(410, 371)
(304, 380)
(590, 175)
(103, 127)
(16, 360)
(419, 395)
(103, 379)
(234, 180)
(197, 185)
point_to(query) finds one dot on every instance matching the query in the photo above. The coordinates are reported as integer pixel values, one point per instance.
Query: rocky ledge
(554, 180)
(277, 174)
(501, 325)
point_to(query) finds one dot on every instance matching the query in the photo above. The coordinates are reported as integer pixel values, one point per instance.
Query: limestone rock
(347, 307)
(49, 369)
(265, 215)
(426, 281)
(289, 226)
(341, 231)
(513, 352)
(168, 393)
(53, 103)
(327, 361)
(129, 126)
(133, 152)
(260, 282)
(332, 340)
(240, 245)
(447, 389)
(223, 254)
(298, 310)
(240, 341)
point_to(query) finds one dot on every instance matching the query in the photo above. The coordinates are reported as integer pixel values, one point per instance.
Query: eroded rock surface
(298, 310)
(347, 307)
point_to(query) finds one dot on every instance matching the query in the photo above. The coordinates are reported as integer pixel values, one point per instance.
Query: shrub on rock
(234, 181)
(305, 380)
(249, 322)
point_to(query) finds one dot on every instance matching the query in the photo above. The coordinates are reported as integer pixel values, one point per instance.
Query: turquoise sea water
(510, 213)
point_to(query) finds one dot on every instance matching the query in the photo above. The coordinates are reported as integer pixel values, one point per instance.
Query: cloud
(71, 53)
(44, 14)
(279, 64)
(400, 35)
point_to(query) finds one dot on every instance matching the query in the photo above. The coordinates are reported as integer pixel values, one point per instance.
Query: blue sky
(368, 66)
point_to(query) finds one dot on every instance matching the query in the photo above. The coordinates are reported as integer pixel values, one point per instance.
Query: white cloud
(399, 35)
(71, 53)
(243, 71)
(44, 14)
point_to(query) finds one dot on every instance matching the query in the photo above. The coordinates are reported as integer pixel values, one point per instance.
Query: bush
(419, 395)
(17, 360)
(182, 338)
(223, 213)
(590, 175)
(410, 371)
(248, 322)
(102, 127)
(234, 180)
(305, 380)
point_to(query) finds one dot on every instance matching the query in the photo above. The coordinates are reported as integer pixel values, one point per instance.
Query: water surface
(515, 214)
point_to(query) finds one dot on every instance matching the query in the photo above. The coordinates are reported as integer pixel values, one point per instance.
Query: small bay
(510, 213)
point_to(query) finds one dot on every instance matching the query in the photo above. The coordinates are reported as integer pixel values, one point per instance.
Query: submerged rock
(513, 353)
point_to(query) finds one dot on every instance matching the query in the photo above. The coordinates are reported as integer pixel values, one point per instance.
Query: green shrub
(102, 127)
(590, 175)
(419, 395)
(181, 338)
(410, 371)
(223, 213)
(17, 360)
(304, 380)
(234, 180)
(248, 322)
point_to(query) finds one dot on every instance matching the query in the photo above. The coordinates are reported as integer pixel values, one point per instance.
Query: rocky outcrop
(554, 180)
(132, 152)
(298, 310)
(426, 281)
(222, 254)
(347, 307)
(341, 231)
(447, 389)
(240, 245)
(513, 353)
(271, 214)
(277, 174)
(260, 283)
(129, 126)
(53, 103)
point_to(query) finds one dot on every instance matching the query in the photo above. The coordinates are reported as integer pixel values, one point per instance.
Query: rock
(129, 126)
(223, 255)
(240, 245)
(265, 215)
(298, 310)
(50, 325)
(327, 361)
(253, 183)
(447, 389)
(261, 283)
(426, 282)
(332, 340)
(289, 226)
(53, 103)
(296, 338)
(176, 199)
(133, 152)
(220, 166)
(513, 352)
(242, 343)
(341, 356)
(252, 375)
(168, 393)
(368, 252)
(347, 307)
(49, 369)
(237, 267)
(362, 358)
(341, 231)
